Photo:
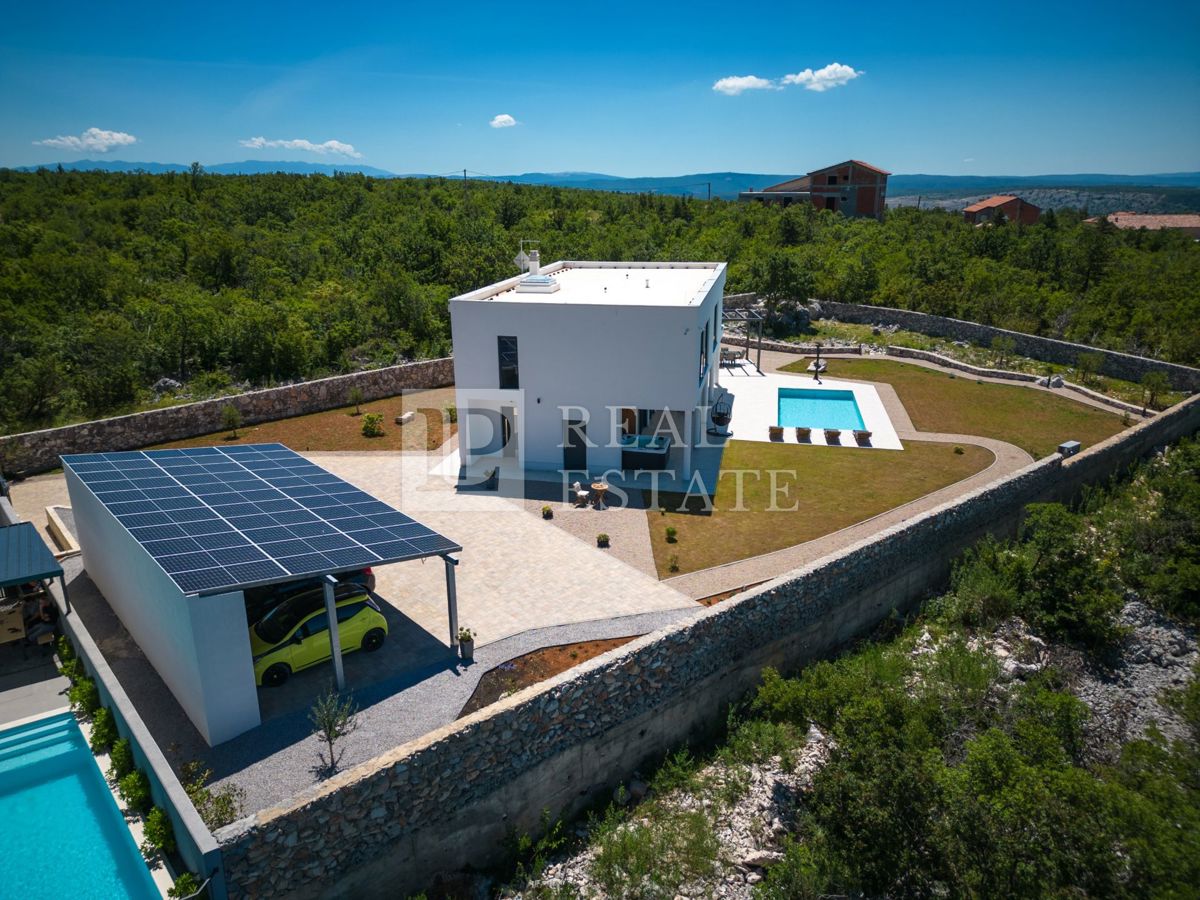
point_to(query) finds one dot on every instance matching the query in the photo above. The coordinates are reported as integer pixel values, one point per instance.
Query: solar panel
(223, 518)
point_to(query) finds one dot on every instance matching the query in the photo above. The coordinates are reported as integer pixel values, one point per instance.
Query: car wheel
(373, 639)
(276, 675)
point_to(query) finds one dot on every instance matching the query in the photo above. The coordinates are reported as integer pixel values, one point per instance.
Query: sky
(652, 88)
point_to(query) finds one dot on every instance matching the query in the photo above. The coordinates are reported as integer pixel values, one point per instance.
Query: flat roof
(678, 284)
(219, 519)
(24, 556)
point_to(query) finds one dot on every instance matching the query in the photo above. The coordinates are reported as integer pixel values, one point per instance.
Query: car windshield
(276, 624)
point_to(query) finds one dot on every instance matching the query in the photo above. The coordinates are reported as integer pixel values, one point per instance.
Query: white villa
(589, 366)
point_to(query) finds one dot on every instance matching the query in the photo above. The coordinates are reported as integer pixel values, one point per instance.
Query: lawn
(340, 429)
(832, 487)
(1035, 420)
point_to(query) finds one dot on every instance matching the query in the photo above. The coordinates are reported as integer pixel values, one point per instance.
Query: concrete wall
(446, 800)
(37, 451)
(1116, 365)
(198, 645)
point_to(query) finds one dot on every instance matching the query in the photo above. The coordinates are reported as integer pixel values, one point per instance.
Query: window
(349, 611)
(317, 624)
(716, 325)
(703, 351)
(507, 349)
(832, 179)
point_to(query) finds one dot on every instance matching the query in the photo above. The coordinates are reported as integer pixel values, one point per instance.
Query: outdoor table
(601, 489)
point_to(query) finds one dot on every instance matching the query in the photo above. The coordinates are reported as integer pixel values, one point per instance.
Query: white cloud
(833, 75)
(969, 159)
(732, 85)
(94, 140)
(504, 120)
(337, 147)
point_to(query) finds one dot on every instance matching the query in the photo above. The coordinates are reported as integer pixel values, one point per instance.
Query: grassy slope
(1036, 421)
(834, 487)
(337, 429)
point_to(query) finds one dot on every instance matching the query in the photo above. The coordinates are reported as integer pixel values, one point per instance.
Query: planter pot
(601, 543)
(548, 514)
(466, 649)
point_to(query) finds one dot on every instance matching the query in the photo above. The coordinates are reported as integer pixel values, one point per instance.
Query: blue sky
(621, 88)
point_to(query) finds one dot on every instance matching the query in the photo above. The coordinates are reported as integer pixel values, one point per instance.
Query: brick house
(853, 188)
(1014, 209)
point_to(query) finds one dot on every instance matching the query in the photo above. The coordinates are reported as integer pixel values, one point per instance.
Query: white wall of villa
(602, 341)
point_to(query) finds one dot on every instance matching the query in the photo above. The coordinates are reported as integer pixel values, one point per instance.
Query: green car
(295, 634)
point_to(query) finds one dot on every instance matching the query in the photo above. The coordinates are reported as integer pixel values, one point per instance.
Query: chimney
(535, 262)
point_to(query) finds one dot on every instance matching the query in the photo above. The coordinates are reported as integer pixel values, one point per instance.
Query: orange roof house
(1014, 209)
(853, 188)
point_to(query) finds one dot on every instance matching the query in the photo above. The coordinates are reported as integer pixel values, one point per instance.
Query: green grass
(832, 487)
(1035, 420)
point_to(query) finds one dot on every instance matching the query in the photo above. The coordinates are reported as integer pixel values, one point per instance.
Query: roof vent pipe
(535, 262)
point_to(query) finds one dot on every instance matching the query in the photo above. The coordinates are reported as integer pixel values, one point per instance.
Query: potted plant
(547, 512)
(466, 643)
(602, 540)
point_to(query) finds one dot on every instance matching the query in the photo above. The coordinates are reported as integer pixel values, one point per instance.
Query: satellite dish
(521, 261)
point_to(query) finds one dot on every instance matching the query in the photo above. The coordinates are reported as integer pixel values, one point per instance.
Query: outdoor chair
(803, 435)
(833, 436)
(776, 432)
(862, 437)
(582, 494)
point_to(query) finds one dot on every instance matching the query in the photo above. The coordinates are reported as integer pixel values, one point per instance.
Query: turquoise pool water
(61, 829)
(807, 408)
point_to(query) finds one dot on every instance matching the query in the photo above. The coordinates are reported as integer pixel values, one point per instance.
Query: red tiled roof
(855, 162)
(998, 200)
(859, 162)
(1151, 222)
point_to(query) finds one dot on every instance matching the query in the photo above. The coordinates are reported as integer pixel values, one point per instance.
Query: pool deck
(756, 407)
(30, 685)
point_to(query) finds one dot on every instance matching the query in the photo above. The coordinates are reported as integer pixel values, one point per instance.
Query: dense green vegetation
(945, 778)
(110, 281)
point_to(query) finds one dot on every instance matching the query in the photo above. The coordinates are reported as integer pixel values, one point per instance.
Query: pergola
(25, 558)
(747, 318)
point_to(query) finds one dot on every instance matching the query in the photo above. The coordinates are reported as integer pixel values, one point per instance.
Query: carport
(173, 537)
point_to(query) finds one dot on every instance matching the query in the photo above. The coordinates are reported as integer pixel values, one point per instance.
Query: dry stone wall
(447, 800)
(1116, 365)
(37, 451)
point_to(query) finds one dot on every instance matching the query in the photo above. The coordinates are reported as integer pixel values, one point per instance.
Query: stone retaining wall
(948, 362)
(1116, 365)
(447, 800)
(37, 451)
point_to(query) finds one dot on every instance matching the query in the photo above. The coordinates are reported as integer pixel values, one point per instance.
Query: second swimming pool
(810, 408)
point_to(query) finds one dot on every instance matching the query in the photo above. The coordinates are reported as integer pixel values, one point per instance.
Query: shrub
(355, 398)
(120, 759)
(104, 730)
(186, 884)
(547, 512)
(159, 833)
(84, 696)
(672, 533)
(216, 807)
(602, 539)
(673, 562)
(231, 419)
(66, 651)
(372, 425)
(958, 451)
(333, 718)
(134, 789)
(451, 414)
(1088, 365)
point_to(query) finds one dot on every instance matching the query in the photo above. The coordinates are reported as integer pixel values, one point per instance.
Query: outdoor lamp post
(817, 365)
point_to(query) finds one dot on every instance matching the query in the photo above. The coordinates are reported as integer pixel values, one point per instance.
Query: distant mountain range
(725, 185)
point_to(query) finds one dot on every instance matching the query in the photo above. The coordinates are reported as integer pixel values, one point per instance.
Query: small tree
(355, 396)
(1088, 365)
(231, 419)
(1004, 346)
(332, 718)
(372, 425)
(1154, 384)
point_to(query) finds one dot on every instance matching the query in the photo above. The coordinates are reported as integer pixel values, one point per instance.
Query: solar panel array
(225, 518)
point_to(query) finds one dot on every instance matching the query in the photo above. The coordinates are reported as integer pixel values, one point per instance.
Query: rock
(1056, 381)
(753, 878)
(638, 790)
(405, 418)
(166, 386)
(760, 859)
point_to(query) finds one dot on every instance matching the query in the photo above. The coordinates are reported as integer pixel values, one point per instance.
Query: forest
(110, 282)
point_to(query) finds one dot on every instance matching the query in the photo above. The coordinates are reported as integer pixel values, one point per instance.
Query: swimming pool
(808, 408)
(61, 829)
